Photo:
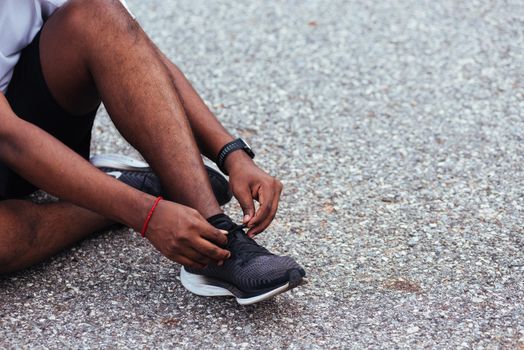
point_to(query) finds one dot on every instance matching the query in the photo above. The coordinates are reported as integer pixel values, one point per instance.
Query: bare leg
(92, 48)
(209, 133)
(80, 68)
(33, 232)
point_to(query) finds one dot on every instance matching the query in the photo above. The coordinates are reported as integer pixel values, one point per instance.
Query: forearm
(247, 180)
(50, 165)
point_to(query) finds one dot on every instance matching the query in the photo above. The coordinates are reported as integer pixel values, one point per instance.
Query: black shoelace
(243, 246)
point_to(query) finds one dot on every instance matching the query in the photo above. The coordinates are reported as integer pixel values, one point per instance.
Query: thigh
(30, 98)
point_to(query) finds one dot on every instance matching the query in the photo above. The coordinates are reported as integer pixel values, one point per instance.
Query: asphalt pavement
(397, 130)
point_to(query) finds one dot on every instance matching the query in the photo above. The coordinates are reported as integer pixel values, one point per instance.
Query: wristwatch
(232, 147)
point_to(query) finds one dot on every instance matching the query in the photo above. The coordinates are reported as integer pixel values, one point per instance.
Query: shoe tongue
(222, 222)
(236, 234)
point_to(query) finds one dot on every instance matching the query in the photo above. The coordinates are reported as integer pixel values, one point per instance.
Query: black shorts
(31, 100)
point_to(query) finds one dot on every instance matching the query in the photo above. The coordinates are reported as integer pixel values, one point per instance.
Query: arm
(50, 165)
(248, 181)
(175, 230)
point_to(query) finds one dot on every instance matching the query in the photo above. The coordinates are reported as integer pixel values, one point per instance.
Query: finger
(195, 256)
(208, 249)
(245, 199)
(188, 262)
(263, 225)
(213, 234)
(265, 198)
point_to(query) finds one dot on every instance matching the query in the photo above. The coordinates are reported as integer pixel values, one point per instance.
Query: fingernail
(220, 263)
(224, 232)
(228, 255)
(246, 218)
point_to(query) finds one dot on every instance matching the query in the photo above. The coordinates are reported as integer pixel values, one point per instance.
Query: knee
(13, 249)
(8, 254)
(17, 236)
(84, 17)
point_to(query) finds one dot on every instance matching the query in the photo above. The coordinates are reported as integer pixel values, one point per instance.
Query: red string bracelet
(146, 223)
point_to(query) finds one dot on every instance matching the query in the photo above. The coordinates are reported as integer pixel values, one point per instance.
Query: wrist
(135, 208)
(237, 160)
(232, 148)
(149, 216)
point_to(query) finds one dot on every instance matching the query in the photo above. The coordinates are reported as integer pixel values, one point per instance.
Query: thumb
(246, 203)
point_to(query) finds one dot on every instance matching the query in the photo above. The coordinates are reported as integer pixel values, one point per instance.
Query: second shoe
(139, 175)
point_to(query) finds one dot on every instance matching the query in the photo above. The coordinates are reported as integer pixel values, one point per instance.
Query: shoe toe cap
(273, 270)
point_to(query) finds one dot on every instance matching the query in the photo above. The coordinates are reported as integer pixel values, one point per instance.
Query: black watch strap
(231, 147)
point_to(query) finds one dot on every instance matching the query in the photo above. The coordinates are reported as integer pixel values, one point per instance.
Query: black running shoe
(251, 274)
(139, 175)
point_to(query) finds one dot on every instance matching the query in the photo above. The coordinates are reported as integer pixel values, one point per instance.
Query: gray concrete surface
(397, 129)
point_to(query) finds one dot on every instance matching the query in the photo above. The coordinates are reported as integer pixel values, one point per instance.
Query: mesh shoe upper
(145, 181)
(251, 267)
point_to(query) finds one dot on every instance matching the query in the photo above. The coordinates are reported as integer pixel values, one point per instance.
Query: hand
(181, 234)
(248, 183)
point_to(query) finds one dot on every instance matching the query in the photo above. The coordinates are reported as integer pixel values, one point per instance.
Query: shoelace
(243, 246)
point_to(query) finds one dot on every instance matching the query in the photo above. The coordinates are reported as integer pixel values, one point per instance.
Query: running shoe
(251, 274)
(139, 175)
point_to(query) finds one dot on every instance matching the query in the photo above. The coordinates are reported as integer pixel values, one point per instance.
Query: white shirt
(20, 21)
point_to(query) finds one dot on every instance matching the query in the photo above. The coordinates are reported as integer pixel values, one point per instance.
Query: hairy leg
(33, 232)
(93, 49)
(209, 133)
(128, 74)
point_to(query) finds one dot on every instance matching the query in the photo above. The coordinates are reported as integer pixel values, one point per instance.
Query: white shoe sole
(199, 285)
(118, 161)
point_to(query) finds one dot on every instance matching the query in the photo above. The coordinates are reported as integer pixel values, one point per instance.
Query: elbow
(5, 115)
(4, 129)
(14, 133)
(8, 121)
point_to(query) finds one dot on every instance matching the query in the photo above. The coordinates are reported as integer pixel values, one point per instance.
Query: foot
(139, 175)
(251, 274)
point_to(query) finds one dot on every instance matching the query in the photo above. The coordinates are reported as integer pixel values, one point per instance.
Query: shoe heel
(118, 161)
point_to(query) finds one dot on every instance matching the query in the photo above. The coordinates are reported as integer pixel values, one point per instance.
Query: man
(58, 60)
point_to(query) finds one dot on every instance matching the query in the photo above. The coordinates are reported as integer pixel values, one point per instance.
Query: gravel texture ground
(397, 129)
